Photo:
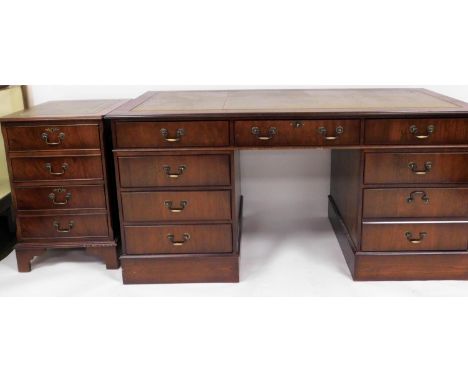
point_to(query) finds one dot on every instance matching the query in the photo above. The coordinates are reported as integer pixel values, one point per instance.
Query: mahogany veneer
(59, 179)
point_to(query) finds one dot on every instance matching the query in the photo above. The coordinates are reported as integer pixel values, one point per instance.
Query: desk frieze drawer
(415, 236)
(176, 206)
(53, 137)
(178, 239)
(171, 134)
(416, 131)
(63, 226)
(56, 168)
(60, 197)
(297, 133)
(174, 170)
(391, 168)
(418, 202)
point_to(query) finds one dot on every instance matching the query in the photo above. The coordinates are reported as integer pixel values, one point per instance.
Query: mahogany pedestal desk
(399, 178)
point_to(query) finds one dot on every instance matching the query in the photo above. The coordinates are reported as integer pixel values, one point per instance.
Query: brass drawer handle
(175, 243)
(414, 168)
(324, 133)
(168, 204)
(413, 194)
(414, 130)
(411, 239)
(52, 196)
(174, 175)
(48, 167)
(179, 134)
(272, 131)
(45, 138)
(64, 230)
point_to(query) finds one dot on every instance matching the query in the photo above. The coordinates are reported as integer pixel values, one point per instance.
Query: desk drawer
(53, 137)
(297, 133)
(173, 239)
(56, 168)
(63, 226)
(415, 237)
(60, 197)
(175, 170)
(416, 131)
(176, 205)
(420, 202)
(381, 168)
(171, 134)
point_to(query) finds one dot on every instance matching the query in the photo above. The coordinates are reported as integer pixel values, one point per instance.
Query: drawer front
(60, 197)
(56, 168)
(176, 205)
(63, 226)
(415, 202)
(297, 133)
(171, 134)
(53, 137)
(416, 168)
(415, 237)
(416, 131)
(175, 171)
(173, 239)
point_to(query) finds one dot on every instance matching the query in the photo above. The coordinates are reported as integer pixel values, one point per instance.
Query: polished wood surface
(294, 101)
(176, 206)
(415, 202)
(58, 163)
(57, 168)
(61, 198)
(392, 168)
(297, 133)
(422, 236)
(203, 238)
(47, 136)
(62, 226)
(171, 134)
(427, 131)
(174, 170)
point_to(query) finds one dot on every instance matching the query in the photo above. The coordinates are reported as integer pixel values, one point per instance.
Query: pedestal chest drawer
(415, 236)
(297, 133)
(53, 137)
(171, 134)
(173, 239)
(416, 131)
(56, 168)
(421, 202)
(176, 206)
(63, 226)
(174, 170)
(390, 168)
(60, 197)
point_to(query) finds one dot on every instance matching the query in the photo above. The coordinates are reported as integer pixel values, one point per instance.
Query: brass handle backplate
(324, 133)
(64, 230)
(48, 167)
(175, 243)
(419, 239)
(169, 205)
(179, 134)
(413, 129)
(413, 194)
(53, 196)
(414, 168)
(174, 175)
(272, 131)
(45, 138)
